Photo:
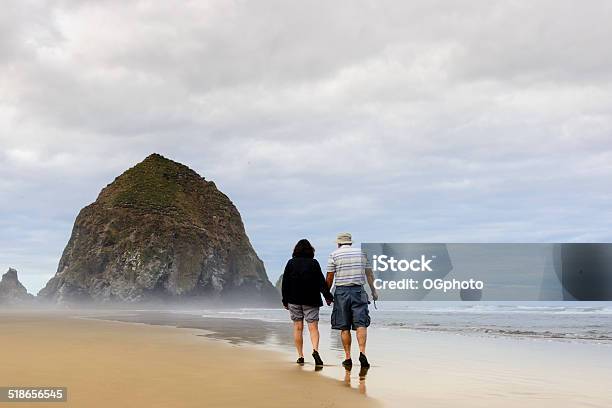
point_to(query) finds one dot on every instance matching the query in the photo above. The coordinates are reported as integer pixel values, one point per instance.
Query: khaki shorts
(303, 312)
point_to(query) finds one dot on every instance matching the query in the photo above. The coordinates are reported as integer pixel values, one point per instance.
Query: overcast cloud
(470, 121)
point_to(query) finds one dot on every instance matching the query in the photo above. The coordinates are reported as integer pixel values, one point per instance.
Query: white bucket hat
(344, 238)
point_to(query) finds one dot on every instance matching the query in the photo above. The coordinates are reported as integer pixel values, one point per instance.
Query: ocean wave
(587, 335)
(500, 309)
(574, 322)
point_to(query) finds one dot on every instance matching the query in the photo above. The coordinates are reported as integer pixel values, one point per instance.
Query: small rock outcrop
(11, 290)
(279, 283)
(160, 231)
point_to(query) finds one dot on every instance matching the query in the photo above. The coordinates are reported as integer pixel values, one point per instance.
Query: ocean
(557, 321)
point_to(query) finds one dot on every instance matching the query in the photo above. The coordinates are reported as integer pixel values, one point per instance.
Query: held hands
(329, 301)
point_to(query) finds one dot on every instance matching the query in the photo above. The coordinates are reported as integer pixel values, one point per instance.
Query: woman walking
(303, 284)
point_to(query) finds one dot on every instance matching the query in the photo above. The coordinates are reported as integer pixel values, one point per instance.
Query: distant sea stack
(279, 284)
(11, 290)
(160, 231)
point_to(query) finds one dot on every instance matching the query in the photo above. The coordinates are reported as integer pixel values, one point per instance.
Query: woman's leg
(313, 328)
(298, 328)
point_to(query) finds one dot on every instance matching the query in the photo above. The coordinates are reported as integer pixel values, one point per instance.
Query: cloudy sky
(471, 121)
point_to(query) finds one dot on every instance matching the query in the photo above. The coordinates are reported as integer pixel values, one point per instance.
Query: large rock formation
(11, 290)
(160, 231)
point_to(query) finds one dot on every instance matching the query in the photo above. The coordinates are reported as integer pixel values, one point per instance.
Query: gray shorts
(350, 308)
(301, 312)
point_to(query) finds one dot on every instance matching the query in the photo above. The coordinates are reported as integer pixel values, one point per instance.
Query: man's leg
(346, 342)
(298, 328)
(362, 337)
(313, 328)
(361, 321)
(342, 320)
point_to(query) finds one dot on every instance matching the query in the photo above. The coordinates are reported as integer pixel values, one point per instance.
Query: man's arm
(330, 280)
(370, 278)
(331, 271)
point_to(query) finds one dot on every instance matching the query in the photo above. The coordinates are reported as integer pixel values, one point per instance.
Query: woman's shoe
(317, 359)
(300, 361)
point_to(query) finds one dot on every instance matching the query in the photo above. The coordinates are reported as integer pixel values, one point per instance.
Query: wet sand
(434, 369)
(116, 364)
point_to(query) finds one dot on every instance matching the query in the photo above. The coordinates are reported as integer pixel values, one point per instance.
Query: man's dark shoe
(300, 361)
(317, 359)
(348, 363)
(363, 360)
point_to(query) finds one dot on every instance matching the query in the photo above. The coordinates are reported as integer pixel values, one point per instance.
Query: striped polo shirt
(348, 264)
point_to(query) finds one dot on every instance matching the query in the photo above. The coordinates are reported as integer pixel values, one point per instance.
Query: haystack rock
(160, 231)
(11, 290)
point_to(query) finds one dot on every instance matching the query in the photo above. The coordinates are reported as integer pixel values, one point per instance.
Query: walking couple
(302, 286)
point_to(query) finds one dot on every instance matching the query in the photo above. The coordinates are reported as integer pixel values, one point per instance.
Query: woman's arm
(284, 286)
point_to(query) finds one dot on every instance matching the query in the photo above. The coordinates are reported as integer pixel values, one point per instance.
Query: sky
(420, 121)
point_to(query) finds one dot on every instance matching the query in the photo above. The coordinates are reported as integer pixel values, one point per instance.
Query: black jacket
(303, 282)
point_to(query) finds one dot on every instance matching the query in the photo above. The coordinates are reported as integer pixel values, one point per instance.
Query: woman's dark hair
(303, 249)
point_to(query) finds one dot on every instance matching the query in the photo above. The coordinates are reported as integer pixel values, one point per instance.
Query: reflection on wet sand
(363, 372)
(236, 331)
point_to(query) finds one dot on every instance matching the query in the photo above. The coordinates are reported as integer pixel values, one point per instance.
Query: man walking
(350, 269)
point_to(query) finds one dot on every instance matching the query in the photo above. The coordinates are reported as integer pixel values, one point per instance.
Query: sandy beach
(114, 364)
(226, 358)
